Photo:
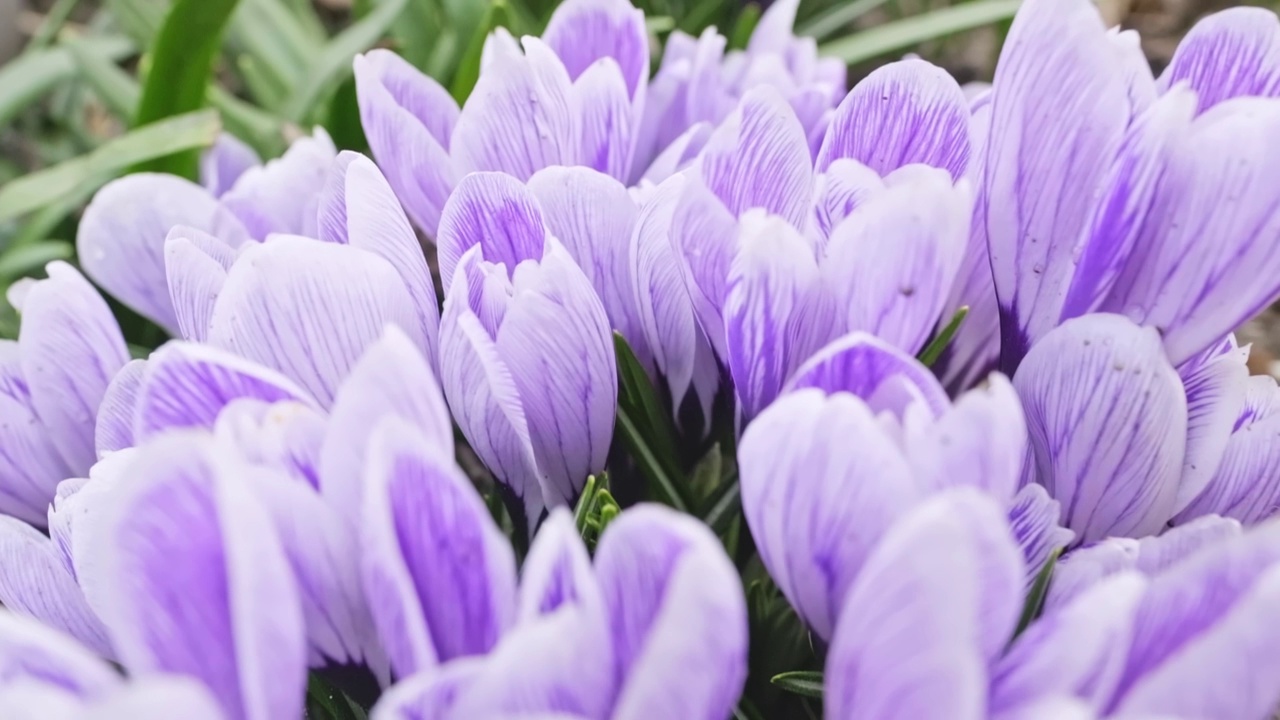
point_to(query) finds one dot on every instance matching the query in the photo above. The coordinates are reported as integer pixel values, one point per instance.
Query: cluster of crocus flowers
(277, 490)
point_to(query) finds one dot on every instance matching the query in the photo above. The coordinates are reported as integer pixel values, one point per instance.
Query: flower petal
(583, 31)
(1217, 390)
(196, 265)
(883, 376)
(1232, 53)
(30, 466)
(495, 211)
(608, 119)
(1108, 423)
(114, 428)
(557, 571)
(906, 112)
(678, 617)
(187, 526)
(702, 236)
(310, 309)
(1034, 517)
(408, 119)
(33, 650)
(283, 195)
(224, 163)
(70, 347)
(120, 241)
(845, 186)
(815, 505)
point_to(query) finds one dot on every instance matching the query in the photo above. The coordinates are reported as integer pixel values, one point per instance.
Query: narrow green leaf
(181, 65)
(836, 18)
(28, 77)
(586, 501)
(333, 65)
(1035, 597)
(419, 31)
(665, 485)
(262, 130)
(139, 19)
(115, 87)
(746, 24)
(658, 24)
(934, 350)
(469, 67)
(43, 222)
(184, 132)
(308, 20)
(902, 34)
(52, 23)
(265, 87)
(723, 505)
(637, 395)
(801, 682)
(273, 36)
(23, 260)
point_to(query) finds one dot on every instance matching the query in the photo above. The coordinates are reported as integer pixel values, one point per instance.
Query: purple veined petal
(707, 98)
(1129, 196)
(1136, 69)
(1001, 567)
(409, 120)
(773, 34)
(815, 504)
(283, 195)
(608, 119)
(223, 163)
(187, 525)
(909, 641)
(759, 158)
(556, 343)
(360, 209)
(310, 309)
(1059, 111)
(677, 617)
(1246, 484)
(196, 265)
(70, 347)
(31, 650)
(35, 582)
(1202, 266)
(1108, 422)
(677, 156)
(1034, 517)
(62, 518)
(974, 351)
(1080, 569)
(884, 377)
(891, 264)
(120, 242)
(428, 695)
(114, 427)
(484, 397)
(439, 576)
(1075, 650)
(903, 113)
(557, 571)
(1161, 552)
(187, 385)
(1202, 627)
(80, 498)
(558, 663)
(324, 557)
(1217, 389)
(285, 436)
(845, 186)
(777, 311)
(582, 32)
(30, 466)
(390, 379)
(521, 117)
(594, 217)
(981, 441)
(496, 212)
(1232, 53)
(158, 698)
(703, 235)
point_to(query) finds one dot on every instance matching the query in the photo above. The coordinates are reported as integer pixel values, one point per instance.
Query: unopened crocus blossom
(121, 238)
(526, 354)
(53, 379)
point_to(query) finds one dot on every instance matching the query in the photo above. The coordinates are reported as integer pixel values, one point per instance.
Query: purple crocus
(526, 355)
(54, 378)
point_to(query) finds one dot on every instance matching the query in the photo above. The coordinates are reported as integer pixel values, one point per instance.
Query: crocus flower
(586, 76)
(825, 472)
(526, 355)
(48, 676)
(54, 378)
(223, 164)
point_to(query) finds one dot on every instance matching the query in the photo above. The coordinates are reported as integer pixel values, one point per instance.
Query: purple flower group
(276, 491)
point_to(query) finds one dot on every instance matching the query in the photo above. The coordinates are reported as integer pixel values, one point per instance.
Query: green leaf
(52, 23)
(1035, 596)
(181, 65)
(177, 134)
(653, 470)
(934, 350)
(469, 68)
(419, 31)
(723, 505)
(262, 130)
(637, 396)
(115, 87)
(23, 260)
(902, 34)
(333, 65)
(27, 78)
(746, 24)
(139, 19)
(275, 51)
(836, 18)
(801, 682)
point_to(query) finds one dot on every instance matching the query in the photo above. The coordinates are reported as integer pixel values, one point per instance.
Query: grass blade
(27, 78)
(115, 87)
(181, 65)
(930, 354)
(469, 67)
(903, 34)
(24, 260)
(139, 19)
(653, 470)
(262, 130)
(836, 18)
(801, 682)
(52, 23)
(177, 134)
(1039, 588)
(334, 63)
